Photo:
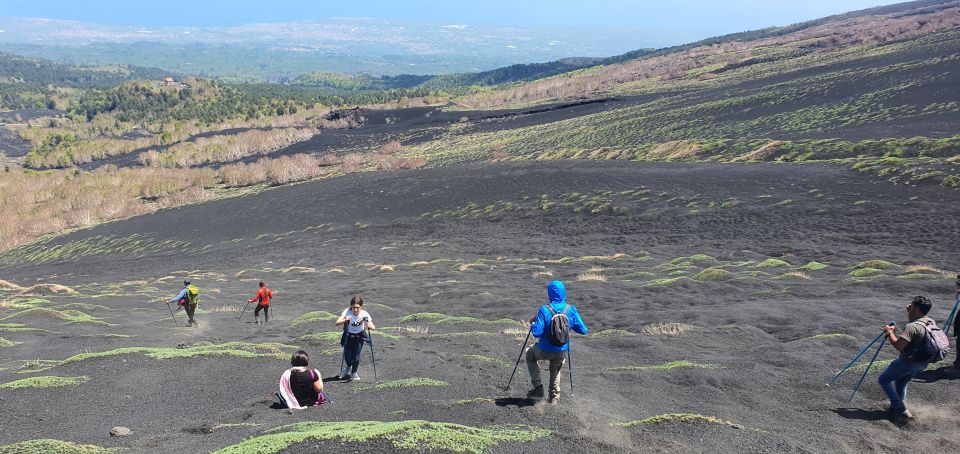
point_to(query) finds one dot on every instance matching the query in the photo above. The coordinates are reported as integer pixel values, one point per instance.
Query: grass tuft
(675, 417)
(794, 275)
(713, 274)
(239, 349)
(410, 382)
(591, 276)
(813, 266)
(877, 264)
(864, 272)
(666, 329)
(612, 332)
(7, 343)
(682, 364)
(70, 316)
(312, 317)
(47, 381)
(407, 435)
(51, 446)
(772, 263)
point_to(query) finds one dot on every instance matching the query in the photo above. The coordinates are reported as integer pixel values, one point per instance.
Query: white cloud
(511, 46)
(456, 26)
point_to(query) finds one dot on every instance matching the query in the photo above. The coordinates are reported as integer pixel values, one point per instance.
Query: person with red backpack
(262, 298)
(188, 298)
(920, 343)
(552, 326)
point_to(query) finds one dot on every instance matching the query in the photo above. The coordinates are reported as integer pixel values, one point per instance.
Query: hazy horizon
(694, 18)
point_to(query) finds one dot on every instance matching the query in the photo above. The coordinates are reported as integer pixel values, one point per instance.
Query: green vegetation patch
(413, 435)
(7, 343)
(813, 266)
(877, 264)
(682, 364)
(676, 417)
(693, 259)
(329, 337)
(443, 319)
(665, 281)
(410, 382)
(313, 317)
(47, 381)
(70, 316)
(864, 272)
(50, 446)
(772, 263)
(713, 274)
(239, 349)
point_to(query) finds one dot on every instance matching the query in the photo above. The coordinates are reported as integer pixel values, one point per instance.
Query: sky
(703, 17)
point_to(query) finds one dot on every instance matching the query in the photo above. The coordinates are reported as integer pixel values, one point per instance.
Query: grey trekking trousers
(534, 354)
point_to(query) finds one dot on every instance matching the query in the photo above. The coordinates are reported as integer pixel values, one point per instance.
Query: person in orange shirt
(263, 303)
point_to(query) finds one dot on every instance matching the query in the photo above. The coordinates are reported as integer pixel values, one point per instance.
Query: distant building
(168, 82)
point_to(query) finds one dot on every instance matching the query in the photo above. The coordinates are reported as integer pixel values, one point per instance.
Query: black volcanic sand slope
(719, 298)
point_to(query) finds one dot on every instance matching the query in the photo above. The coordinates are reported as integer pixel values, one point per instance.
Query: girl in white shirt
(355, 322)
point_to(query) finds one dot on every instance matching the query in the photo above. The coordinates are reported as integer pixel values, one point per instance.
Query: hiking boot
(354, 376)
(899, 415)
(554, 398)
(536, 393)
(345, 373)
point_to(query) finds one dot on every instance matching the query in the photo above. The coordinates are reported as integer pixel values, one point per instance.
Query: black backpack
(559, 327)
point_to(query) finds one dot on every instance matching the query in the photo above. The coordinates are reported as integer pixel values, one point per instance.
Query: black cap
(186, 282)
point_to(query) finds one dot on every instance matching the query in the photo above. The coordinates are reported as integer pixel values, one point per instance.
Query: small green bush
(772, 263)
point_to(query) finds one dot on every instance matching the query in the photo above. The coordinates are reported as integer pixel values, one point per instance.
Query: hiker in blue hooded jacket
(547, 348)
(183, 300)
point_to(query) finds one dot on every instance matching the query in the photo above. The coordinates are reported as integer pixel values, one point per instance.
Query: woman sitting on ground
(301, 387)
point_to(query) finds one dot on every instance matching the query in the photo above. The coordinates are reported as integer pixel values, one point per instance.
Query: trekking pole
(171, 314)
(570, 365)
(373, 359)
(241, 312)
(867, 369)
(524, 347)
(855, 358)
(953, 313)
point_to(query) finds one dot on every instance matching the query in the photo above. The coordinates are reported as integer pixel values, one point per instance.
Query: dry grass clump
(794, 275)
(543, 273)
(282, 170)
(390, 148)
(392, 163)
(354, 162)
(666, 329)
(52, 201)
(7, 285)
(591, 277)
(226, 308)
(226, 147)
(929, 269)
